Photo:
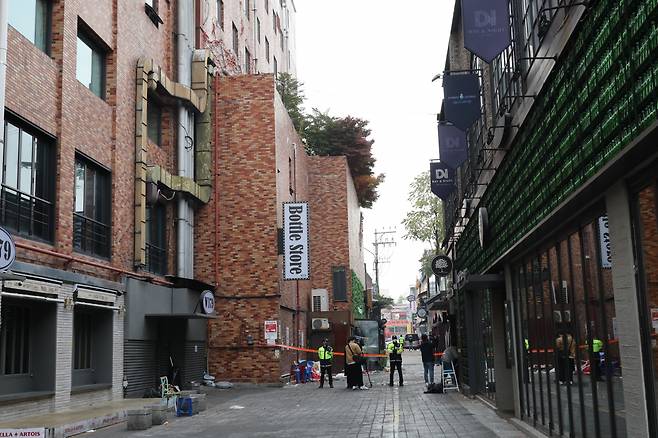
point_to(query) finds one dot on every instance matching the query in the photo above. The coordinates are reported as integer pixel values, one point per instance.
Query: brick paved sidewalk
(305, 411)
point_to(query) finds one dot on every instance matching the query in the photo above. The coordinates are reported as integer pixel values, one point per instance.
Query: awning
(181, 315)
(475, 282)
(438, 301)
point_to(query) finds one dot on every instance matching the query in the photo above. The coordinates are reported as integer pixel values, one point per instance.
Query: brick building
(260, 163)
(106, 168)
(552, 225)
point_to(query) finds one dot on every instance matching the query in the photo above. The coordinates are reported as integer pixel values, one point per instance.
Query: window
(339, 283)
(90, 66)
(32, 19)
(267, 7)
(91, 216)
(82, 341)
(154, 122)
(156, 239)
(27, 196)
(267, 50)
(274, 19)
(92, 345)
(276, 67)
(151, 7)
(220, 13)
(533, 26)
(247, 61)
(281, 40)
(246, 8)
(15, 340)
(258, 29)
(236, 41)
(291, 176)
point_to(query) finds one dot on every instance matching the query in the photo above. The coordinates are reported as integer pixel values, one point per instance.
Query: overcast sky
(375, 59)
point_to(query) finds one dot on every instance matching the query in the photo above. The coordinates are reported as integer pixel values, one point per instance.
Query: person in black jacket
(427, 353)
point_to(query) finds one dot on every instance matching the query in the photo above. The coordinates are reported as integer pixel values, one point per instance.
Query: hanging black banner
(461, 99)
(453, 148)
(486, 27)
(442, 178)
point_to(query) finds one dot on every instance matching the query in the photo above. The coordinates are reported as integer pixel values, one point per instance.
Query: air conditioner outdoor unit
(320, 324)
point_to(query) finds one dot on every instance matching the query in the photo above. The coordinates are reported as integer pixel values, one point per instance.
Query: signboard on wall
(271, 332)
(461, 99)
(604, 241)
(38, 432)
(453, 148)
(295, 241)
(486, 27)
(442, 179)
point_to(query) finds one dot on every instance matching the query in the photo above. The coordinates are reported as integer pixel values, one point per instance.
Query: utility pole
(382, 238)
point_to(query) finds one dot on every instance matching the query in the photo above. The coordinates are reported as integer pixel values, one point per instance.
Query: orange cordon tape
(336, 353)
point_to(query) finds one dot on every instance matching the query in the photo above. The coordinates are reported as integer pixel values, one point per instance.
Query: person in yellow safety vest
(595, 359)
(326, 356)
(395, 349)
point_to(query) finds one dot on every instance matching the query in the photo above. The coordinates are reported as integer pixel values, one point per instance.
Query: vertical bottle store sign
(295, 241)
(604, 240)
(486, 27)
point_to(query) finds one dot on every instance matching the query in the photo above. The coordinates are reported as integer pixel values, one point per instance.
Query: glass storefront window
(570, 372)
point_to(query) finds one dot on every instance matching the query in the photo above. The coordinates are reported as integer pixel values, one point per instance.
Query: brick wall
(328, 180)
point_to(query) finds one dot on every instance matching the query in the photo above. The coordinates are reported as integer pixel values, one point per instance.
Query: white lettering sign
(16, 433)
(295, 241)
(604, 240)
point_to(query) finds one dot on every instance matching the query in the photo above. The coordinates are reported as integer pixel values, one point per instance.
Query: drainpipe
(4, 13)
(185, 144)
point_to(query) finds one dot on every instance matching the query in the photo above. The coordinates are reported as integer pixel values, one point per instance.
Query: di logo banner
(442, 179)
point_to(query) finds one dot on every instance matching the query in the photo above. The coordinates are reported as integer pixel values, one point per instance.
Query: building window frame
(154, 122)
(95, 72)
(247, 6)
(15, 340)
(220, 14)
(236, 41)
(267, 50)
(339, 283)
(27, 198)
(41, 34)
(156, 239)
(247, 60)
(91, 208)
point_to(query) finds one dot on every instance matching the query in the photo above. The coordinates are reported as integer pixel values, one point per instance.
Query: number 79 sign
(7, 250)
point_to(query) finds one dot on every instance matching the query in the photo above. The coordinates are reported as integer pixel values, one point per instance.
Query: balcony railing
(156, 259)
(91, 236)
(25, 214)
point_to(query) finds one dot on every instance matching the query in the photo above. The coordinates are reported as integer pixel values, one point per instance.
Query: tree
(324, 134)
(424, 222)
(426, 262)
(292, 95)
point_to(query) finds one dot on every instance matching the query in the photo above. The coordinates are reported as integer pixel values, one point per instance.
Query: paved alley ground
(305, 411)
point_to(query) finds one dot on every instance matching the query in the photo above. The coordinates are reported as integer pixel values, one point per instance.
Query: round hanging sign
(207, 302)
(441, 265)
(7, 250)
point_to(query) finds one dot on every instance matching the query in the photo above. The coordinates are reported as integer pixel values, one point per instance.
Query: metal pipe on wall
(4, 14)
(185, 143)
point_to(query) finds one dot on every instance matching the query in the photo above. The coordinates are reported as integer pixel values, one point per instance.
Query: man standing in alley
(427, 354)
(326, 356)
(394, 349)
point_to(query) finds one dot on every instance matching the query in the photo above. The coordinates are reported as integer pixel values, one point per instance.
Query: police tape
(336, 353)
(580, 347)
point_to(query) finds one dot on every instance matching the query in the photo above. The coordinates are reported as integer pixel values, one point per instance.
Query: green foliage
(424, 222)
(326, 135)
(381, 302)
(292, 95)
(347, 136)
(426, 262)
(358, 297)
